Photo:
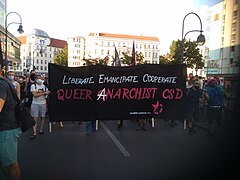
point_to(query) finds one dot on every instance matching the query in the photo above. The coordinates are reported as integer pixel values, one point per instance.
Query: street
(161, 152)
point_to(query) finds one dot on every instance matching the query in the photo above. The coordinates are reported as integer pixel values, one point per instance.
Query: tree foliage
(126, 59)
(191, 54)
(61, 57)
(95, 61)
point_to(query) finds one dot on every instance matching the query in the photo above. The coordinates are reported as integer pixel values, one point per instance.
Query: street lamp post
(200, 41)
(200, 38)
(20, 30)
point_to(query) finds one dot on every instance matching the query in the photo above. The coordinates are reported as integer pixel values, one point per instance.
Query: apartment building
(37, 50)
(222, 47)
(76, 51)
(101, 45)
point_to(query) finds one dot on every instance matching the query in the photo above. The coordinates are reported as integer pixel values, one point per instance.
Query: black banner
(100, 92)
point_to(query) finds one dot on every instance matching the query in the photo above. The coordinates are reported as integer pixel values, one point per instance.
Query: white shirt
(39, 88)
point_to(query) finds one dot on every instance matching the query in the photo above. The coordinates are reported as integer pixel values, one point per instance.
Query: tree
(191, 54)
(61, 57)
(95, 61)
(126, 59)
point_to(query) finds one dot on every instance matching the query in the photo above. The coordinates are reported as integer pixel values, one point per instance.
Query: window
(108, 52)
(231, 60)
(149, 46)
(235, 14)
(102, 52)
(234, 26)
(233, 37)
(41, 68)
(45, 61)
(37, 61)
(216, 17)
(109, 43)
(140, 45)
(145, 54)
(232, 48)
(45, 68)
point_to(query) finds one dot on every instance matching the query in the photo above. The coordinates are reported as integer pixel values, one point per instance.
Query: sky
(62, 19)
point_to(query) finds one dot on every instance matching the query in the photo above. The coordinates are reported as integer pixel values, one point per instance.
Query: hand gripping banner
(99, 92)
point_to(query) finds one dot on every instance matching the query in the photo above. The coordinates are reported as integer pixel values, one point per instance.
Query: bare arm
(2, 102)
(37, 93)
(18, 90)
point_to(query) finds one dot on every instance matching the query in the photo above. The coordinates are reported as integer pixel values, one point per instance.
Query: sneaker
(138, 128)
(191, 131)
(119, 128)
(144, 128)
(33, 136)
(88, 133)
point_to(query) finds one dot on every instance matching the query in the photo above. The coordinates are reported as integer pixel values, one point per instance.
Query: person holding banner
(38, 107)
(90, 127)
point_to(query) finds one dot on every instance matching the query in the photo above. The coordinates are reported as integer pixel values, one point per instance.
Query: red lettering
(179, 93)
(60, 94)
(88, 94)
(125, 93)
(118, 94)
(68, 93)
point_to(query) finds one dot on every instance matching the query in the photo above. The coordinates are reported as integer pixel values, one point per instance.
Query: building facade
(101, 45)
(37, 50)
(76, 51)
(13, 50)
(222, 47)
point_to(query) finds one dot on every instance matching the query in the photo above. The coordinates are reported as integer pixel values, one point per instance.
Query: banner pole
(50, 127)
(96, 124)
(153, 122)
(185, 124)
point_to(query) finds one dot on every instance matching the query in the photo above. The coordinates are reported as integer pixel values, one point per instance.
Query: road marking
(115, 140)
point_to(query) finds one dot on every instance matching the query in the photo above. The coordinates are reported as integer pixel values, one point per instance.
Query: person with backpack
(214, 105)
(10, 131)
(38, 107)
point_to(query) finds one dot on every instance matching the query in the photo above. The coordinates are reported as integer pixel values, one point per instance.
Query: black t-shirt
(193, 96)
(7, 115)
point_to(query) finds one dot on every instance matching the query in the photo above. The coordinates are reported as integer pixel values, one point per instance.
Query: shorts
(38, 110)
(8, 146)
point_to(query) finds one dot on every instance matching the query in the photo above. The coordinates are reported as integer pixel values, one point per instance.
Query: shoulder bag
(23, 116)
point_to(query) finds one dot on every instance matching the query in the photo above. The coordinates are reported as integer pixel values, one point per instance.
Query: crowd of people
(203, 97)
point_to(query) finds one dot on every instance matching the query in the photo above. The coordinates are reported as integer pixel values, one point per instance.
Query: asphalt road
(161, 153)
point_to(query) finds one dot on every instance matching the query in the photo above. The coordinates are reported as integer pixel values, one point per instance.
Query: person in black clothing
(9, 132)
(21, 81)
(29, 81)
(194, 94)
